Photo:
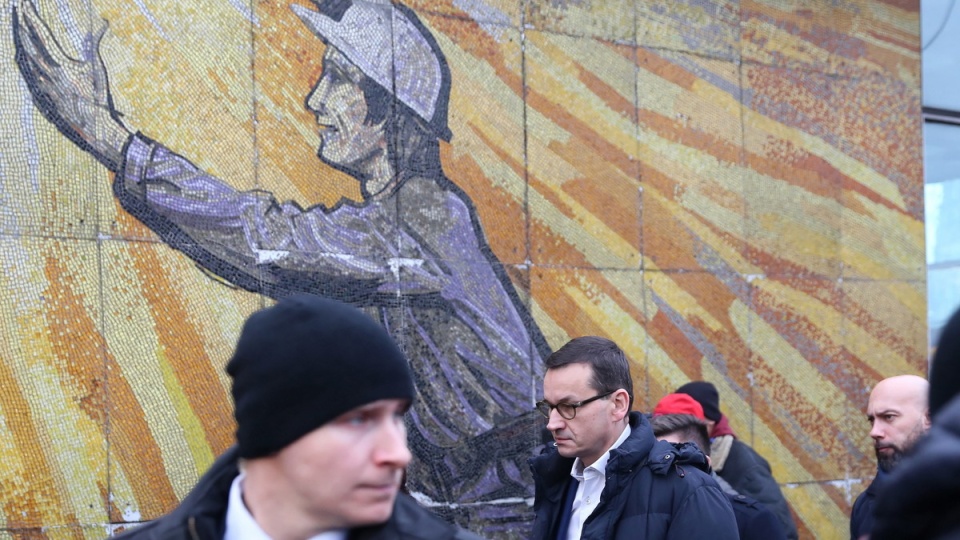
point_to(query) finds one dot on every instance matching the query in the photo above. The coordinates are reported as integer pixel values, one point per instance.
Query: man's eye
(357, 419)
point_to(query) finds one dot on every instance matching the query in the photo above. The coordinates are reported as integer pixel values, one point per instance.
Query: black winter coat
(202, 514)
(654, 490)
(754, 520)
(750, 474)
(861, 517)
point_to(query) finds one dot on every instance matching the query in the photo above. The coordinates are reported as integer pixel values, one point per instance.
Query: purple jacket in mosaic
(416, 259)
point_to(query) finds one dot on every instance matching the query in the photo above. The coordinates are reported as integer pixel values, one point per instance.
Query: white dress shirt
(242, 526)
(591, 481)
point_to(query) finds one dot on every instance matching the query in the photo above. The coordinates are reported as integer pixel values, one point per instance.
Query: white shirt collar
(601, 464)
(590, 485)
(242, 526)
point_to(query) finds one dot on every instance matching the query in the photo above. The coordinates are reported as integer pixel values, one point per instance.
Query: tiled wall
(731, 190)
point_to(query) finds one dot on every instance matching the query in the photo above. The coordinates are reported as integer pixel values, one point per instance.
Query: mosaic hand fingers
(72, 93)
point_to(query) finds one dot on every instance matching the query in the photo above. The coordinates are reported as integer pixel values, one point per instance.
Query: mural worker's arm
(73, 94)
(247, 238)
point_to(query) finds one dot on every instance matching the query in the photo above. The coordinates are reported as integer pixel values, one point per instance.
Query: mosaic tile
(584, 195)
(485, 13)
(693, 187)
(62, 532)
(473, 348)
(802, 393)
(168, 335)
(574, 302)
(885, 326)
(847, 37)
(48, 187)
(480, 174)
(613, 21)
(181, 77)
(820, 510)
(287, 64)
(882, 217)
(705, 28)
(696, 331)
(54, 465)
(795, 126)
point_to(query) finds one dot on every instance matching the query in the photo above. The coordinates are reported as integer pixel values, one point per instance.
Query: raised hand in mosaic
(413, 253)
(73, 93)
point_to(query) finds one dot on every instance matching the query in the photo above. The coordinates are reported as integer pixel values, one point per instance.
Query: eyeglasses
(568, 411)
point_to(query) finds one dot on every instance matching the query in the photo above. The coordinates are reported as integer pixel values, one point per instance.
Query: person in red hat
(679, 419)
(679, 404)
(737, 462)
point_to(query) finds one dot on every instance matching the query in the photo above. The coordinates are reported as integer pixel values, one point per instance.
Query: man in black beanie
(735, 461)
(320, 391)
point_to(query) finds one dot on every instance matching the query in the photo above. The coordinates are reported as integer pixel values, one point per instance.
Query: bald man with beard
(899, 416)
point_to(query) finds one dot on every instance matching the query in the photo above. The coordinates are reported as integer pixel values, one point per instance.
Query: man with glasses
(606, 476)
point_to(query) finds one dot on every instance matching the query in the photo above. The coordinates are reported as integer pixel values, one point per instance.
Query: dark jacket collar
(639, 449)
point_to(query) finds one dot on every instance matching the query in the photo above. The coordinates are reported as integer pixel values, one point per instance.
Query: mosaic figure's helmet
(389, 44)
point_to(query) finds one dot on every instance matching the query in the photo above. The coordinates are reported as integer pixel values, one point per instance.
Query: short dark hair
(611, 370)
(687, 426)
(411, 143)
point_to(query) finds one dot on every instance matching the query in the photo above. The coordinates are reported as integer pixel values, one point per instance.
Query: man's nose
(876, 431)
(392, 447)
(555, 421)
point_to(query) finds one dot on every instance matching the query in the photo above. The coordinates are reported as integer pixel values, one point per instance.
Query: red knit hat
(679, 404)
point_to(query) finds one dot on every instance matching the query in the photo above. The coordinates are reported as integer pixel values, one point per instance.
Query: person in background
(320, 393)
(606, 477)
(921, 498)
(679, 419)
(735, 461)
(898, 416)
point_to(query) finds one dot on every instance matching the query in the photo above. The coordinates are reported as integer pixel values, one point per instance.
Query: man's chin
(374, 513)
(565, 449)
(887, 461)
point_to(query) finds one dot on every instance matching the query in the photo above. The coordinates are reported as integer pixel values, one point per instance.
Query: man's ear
(621, 403)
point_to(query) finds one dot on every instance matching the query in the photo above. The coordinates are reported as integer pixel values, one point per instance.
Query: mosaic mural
(731, 190)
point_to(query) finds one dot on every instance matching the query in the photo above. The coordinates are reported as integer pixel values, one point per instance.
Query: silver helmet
(389, 44)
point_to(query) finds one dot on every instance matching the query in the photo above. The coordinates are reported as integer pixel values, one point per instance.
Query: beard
(888, 461)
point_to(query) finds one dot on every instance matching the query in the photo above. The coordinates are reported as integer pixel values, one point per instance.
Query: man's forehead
(895, 399)
(567, 381)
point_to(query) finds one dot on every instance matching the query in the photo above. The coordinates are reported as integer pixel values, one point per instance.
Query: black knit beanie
(305, 361)
(706, 395)
(945, 370)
